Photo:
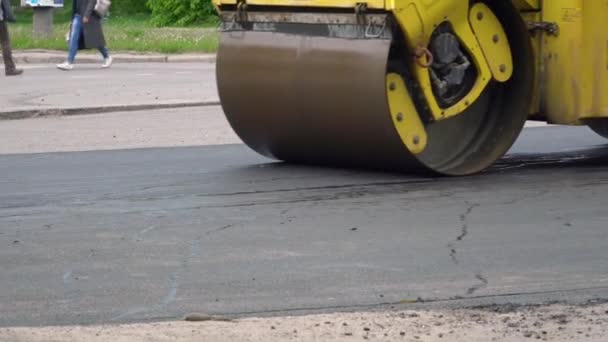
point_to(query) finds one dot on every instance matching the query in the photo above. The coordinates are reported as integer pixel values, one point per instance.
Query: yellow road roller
(441, 86)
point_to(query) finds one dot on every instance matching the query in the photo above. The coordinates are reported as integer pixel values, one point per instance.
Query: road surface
(153, 234)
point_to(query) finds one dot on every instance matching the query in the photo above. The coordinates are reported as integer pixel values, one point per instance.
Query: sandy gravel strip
(549, 323)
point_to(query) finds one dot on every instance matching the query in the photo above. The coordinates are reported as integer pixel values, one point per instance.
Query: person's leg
(75, 38)
(107, 59)
(7, 53)
(74, 42)
(104, 52)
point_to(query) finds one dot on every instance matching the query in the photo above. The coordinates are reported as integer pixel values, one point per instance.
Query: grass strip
(134, 34)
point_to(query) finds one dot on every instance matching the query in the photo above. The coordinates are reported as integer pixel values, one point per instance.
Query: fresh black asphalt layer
(154, 234)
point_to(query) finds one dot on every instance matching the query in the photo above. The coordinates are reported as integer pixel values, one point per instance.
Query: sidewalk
(160, 128)
(54, 57)
(44, 90)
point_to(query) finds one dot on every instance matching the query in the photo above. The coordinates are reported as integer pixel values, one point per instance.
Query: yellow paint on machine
(404, 114)
(493, 41)
(527, 5)
(595, 41)
(574, 76)
(419, 18)
(571, 81)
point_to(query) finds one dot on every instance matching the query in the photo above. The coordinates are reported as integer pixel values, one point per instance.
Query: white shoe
(107, 62)
(65, 66)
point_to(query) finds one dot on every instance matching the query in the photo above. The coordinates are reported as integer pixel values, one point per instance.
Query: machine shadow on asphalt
(574, 160)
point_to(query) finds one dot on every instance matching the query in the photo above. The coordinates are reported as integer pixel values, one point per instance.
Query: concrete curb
(48, 112)
(54, 57)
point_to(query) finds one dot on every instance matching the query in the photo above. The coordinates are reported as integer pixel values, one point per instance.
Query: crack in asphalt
(464, 231)
(465, 224)
(453, 254)
(219, 229)
(483, 282)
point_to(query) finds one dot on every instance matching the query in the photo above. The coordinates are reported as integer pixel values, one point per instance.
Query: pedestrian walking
(86, 33)
(6, 15)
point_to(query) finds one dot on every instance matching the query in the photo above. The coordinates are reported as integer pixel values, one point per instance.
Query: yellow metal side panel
(562, 56)
(595, 62)
(378, 4)
(575, 74)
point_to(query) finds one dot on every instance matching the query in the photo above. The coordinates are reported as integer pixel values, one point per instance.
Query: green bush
(122, 7)
(181, 12)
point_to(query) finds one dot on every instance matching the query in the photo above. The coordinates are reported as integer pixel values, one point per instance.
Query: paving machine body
(412, 85)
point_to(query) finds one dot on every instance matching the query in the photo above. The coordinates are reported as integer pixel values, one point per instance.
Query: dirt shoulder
(549, 323)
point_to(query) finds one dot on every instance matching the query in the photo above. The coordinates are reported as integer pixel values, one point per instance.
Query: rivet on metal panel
(399, 117)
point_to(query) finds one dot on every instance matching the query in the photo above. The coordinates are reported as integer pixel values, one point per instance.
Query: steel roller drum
(306, 98)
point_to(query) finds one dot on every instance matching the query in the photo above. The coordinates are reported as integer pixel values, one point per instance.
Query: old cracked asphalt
(153, 234)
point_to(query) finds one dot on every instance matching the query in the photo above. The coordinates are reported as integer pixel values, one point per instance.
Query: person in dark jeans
(86, 33)
(6, 15)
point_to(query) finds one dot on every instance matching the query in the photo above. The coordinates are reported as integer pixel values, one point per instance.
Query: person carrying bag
(86, 31)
